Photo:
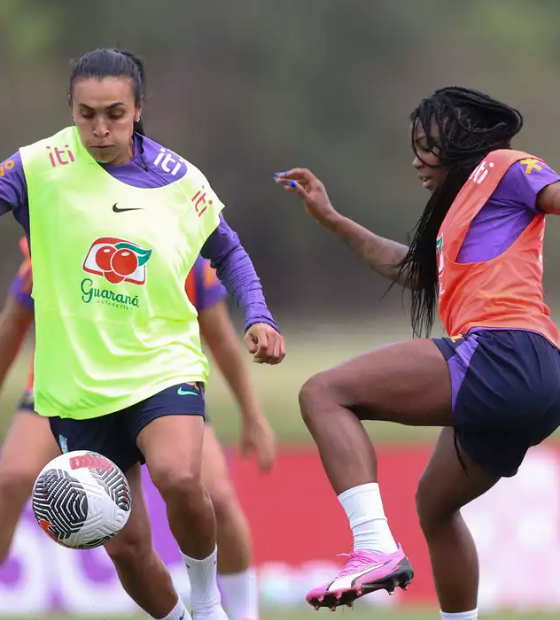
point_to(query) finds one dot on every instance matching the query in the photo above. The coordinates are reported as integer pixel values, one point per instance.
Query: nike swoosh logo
(182, 392)
(117, 210)
(182, 616)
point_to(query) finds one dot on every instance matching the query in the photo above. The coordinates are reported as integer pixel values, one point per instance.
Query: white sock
(462, 615)
(241, 597)
(364, 509)
(205, 595)
(179, 612)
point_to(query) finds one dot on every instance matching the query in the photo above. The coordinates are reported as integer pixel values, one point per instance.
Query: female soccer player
(115, 223)
(494, 383)
(29, 445)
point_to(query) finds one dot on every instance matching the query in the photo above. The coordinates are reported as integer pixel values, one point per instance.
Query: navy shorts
(114, 435)
(505, 394)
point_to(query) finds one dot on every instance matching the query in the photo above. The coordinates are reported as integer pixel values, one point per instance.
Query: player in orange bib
(493, 383)
(30, 444)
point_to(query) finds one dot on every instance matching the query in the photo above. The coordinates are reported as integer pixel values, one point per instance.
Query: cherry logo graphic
(114, 278)
(103, 257)
(124, 262)
(117, 260)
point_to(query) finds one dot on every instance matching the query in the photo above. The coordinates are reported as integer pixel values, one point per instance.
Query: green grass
(381, 614)
(310, 349)
(367, 614)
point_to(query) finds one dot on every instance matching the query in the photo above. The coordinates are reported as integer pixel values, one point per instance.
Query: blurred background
(243, 89)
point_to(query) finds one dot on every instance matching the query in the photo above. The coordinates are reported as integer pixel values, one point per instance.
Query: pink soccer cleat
(365, 572)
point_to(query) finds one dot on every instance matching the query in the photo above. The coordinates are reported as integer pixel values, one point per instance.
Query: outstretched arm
(237, 273)
(382, 255)
(219, 334)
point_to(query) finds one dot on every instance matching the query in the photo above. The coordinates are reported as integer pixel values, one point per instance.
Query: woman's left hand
(265, 344)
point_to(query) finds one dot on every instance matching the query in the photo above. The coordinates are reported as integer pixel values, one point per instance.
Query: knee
(129, 549)
(313, 395)
(433, 512)
(177, 482)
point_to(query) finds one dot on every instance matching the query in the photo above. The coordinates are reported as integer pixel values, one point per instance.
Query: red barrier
(297, 522)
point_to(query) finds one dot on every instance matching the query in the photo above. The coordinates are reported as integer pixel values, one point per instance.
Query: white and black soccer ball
(81, 499)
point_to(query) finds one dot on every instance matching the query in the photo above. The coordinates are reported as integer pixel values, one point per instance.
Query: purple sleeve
(522, 183)
(209, 290)
(236, 271)
(508, 212)
(13, 190)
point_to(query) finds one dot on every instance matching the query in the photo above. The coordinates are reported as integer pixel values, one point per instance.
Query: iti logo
(170, 164)
(481, 171)
(60, 157)
(199, 201)
(117, 260)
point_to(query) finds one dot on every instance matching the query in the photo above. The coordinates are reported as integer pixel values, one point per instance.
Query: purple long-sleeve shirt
(155, 166)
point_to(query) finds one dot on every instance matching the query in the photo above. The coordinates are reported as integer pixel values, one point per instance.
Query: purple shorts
(506, 394)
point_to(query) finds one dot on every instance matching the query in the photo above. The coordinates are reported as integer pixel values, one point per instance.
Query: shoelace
(356, 561)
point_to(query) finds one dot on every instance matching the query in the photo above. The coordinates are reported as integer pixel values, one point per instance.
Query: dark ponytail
(469, 125)
(105, 62)
(140, 93)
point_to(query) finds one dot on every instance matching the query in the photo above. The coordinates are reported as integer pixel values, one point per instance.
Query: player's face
(104, 112)
(426, 161)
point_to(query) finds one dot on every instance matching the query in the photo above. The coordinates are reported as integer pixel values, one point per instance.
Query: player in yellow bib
(29, 444)
(115, 223)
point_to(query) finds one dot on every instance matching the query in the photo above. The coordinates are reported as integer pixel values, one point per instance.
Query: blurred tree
(246, 88)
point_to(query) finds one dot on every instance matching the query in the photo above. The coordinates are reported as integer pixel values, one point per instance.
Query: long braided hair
(469, 125)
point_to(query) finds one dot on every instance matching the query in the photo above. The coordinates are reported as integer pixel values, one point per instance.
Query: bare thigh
(406, 382)
(28, 447)
(172, 448)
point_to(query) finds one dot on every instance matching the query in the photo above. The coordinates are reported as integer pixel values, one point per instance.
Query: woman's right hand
(311, 191)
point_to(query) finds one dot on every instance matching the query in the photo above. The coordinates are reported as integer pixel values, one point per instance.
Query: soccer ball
(81, 500)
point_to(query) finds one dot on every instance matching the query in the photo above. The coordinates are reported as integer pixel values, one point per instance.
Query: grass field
(369, 614)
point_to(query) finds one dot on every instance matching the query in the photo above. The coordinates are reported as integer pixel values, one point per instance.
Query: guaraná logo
(117, 260)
